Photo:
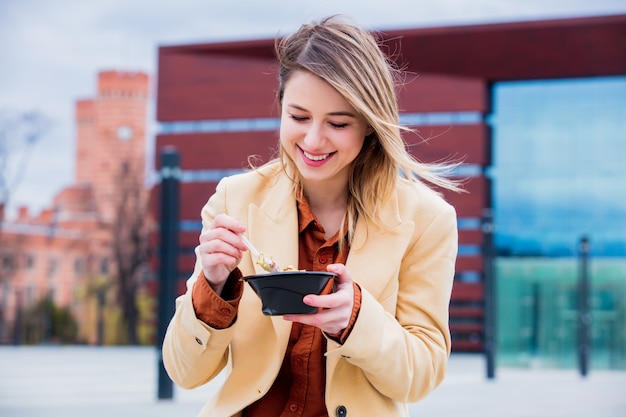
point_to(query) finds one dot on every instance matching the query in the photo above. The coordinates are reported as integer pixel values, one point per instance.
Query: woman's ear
(369, 130)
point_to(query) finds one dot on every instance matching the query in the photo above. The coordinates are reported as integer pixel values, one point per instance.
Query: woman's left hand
(336, 307)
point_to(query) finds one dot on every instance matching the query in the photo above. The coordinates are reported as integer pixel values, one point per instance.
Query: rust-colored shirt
(300, 385)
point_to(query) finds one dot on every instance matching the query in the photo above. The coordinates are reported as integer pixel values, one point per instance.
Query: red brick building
(64, 252)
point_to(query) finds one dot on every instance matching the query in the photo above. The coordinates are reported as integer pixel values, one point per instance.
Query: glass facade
(558, 175)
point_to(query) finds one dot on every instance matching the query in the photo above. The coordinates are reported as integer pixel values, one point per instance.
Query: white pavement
(122, 381)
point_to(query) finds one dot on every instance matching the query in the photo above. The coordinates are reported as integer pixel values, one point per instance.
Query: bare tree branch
(19, 132)
(130, 230)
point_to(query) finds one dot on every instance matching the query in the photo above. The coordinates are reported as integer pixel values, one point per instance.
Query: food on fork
(289, 268)
(267, 263)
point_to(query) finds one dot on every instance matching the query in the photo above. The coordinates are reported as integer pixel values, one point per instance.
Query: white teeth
(316, 157)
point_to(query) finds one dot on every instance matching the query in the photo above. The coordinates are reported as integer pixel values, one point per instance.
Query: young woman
(345, 196)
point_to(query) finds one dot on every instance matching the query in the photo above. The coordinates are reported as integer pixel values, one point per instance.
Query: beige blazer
(398, 349)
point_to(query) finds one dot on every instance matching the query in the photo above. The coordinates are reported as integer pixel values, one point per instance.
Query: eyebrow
(335, 113)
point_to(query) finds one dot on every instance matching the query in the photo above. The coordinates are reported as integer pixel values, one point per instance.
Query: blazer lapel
(273, 229)
(375, 256)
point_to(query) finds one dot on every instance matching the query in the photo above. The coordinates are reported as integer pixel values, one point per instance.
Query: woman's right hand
(220, 250)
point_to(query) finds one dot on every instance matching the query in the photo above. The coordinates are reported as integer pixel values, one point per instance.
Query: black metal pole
(168, 252)
(490, 293)
(18, 326)
(100, 295)
(584, 314)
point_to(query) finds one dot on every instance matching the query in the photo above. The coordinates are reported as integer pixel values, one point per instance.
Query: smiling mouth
(316, 157)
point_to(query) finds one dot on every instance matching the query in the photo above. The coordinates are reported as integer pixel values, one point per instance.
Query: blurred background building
(67, 264)
(541, 177)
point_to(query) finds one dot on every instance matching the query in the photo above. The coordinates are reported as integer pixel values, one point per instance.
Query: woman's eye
(338, 125)
(298, 118)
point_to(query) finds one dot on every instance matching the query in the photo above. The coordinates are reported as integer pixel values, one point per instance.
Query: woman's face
(319, 130)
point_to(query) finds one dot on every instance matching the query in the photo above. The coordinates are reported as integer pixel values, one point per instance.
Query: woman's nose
(314, 136)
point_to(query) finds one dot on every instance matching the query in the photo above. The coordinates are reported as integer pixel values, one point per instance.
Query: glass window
(104, 266)
(29, 261)
(53, 265)
(558, 175)
(78, 266)
(558, 166)
(5, 294)
(7, 262)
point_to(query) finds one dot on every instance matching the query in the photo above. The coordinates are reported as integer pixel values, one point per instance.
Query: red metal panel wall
(467, 142)
(224, 150)
(193, 196)
(559, 48)
(473, 200)
(194, 86)
(442, 93)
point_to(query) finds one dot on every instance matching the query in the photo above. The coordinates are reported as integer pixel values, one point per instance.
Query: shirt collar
(305, 214)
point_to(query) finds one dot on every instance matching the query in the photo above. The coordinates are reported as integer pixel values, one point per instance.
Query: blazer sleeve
(193, 352)
(402, 349)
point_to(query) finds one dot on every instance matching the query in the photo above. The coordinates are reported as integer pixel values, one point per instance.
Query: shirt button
(341, 411)
(293, 408)
(198, 341)
(298, 362)
(323, 259)
(225, 311)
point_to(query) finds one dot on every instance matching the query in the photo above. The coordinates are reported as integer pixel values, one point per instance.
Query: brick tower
(67, 253)
(111, 136)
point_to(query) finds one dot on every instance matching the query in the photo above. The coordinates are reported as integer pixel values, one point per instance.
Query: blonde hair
(349, 59)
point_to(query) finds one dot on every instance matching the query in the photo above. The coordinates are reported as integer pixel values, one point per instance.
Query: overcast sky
(51, 51)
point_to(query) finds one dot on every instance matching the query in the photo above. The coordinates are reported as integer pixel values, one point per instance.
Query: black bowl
(282, 292)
